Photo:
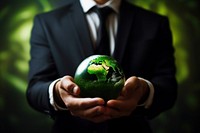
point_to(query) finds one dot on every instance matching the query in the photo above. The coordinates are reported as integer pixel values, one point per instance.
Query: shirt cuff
(51, 98)
(149, 100)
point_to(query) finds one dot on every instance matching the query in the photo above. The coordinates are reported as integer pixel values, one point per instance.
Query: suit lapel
(124, 26)
(82, 30)
(83, 35)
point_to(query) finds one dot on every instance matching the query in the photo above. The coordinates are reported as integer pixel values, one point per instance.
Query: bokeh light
(16, 20)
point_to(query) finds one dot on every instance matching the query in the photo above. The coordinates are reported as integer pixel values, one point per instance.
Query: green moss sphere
(100, 76)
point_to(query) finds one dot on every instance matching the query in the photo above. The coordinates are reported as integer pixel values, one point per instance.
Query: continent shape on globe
(100, 76)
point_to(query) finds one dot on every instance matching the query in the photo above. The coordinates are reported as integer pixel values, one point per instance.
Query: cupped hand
(127, 102)
(87, 108)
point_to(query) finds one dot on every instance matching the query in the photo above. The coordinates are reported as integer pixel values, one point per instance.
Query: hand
(66, 93)
(127, 102)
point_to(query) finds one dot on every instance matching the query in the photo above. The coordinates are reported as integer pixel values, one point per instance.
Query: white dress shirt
(93, 19)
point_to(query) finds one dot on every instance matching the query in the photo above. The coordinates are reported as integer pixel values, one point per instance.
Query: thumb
(67, 83)
(129, 87)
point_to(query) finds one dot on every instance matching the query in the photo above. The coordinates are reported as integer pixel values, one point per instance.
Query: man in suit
(140, 41)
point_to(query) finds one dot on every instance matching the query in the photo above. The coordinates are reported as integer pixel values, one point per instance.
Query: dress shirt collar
(88, 4)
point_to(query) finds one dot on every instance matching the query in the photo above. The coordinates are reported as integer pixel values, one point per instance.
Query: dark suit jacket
(60, 40)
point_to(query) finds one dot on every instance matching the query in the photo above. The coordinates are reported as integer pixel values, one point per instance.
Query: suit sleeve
(42, 69)
(163, 74)
(164, 81)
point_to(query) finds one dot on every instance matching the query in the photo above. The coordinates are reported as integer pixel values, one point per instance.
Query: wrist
(149, 99)
(145, 96)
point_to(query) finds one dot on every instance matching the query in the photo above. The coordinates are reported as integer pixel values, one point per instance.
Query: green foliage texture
(16, 19)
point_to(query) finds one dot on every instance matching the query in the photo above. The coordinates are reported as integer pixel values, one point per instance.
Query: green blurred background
(16, 19)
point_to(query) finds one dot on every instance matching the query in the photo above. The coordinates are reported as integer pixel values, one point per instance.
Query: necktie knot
(103, 12)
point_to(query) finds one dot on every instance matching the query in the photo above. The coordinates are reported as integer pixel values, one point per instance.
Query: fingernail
(101, 102)
(75, 90)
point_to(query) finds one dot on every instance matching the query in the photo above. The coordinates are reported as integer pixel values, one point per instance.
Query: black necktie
(103, 41)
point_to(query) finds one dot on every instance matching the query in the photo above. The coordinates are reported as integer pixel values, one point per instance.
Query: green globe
(100, 76)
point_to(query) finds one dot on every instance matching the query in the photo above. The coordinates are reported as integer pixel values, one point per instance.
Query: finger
(122, 105)
(68, 85)
(132, 82)
(91, 112)
(130, 86)
(116, 109)
(136, 88)
(75, 103)
(115, 104)
(113, 112)
(95, 114)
